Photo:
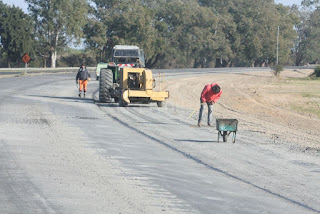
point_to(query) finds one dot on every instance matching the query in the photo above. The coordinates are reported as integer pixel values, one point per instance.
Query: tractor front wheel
(160, 103)
(122, 103)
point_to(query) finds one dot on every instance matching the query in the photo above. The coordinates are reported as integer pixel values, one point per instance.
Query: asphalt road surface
(63, 154)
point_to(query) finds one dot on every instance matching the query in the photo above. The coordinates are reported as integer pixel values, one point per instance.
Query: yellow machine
(137, 85)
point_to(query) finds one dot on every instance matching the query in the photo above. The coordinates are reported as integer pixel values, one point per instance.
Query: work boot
(80, 94)
(209, 125)
(84, 95)
(199, 124)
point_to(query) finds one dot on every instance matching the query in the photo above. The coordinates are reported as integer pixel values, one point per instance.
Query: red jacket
(207, 94)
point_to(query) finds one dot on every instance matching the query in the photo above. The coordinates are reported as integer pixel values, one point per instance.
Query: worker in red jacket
(210, 95)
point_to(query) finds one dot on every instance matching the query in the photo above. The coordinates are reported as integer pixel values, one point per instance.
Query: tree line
(173, 33)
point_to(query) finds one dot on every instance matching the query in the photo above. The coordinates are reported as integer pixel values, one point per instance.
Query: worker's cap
(216, 89)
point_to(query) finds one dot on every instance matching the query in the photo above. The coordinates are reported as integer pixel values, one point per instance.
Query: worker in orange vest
(83, 76)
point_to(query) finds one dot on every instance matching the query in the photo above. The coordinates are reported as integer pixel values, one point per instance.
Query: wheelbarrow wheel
(225, 136)
(234, 137)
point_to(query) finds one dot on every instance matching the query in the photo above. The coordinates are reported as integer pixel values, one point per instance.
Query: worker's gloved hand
(89, 79)
(212, 102)
(76, 81)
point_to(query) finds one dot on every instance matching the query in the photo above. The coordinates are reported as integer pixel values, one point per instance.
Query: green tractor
(109, 73)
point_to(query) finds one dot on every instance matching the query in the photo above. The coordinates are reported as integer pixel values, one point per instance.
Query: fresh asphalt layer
(63, 154)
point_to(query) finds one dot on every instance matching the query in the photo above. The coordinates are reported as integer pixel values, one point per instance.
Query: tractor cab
(128, 56)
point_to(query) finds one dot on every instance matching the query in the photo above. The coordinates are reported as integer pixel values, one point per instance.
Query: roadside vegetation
(173, 34)
(277, 69)
(302, 94)
(317, 72)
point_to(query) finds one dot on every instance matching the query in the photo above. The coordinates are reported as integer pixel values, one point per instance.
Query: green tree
(191, 33)
(96, 37)
(16, 30)
(257, 23)
(307, 46)
(247, 31)
(300, 47)
(124, 22)
(313, 35)
(57, 23)
(188, 33)
(310, 3)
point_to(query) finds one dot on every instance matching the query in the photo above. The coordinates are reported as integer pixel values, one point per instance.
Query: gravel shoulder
(284, 108)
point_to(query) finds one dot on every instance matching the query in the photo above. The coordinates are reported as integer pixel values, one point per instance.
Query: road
(62, 154)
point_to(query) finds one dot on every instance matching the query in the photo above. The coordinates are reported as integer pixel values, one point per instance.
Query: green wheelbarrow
(225, 127)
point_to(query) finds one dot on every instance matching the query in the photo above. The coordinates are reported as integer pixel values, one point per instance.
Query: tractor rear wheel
(105, 83)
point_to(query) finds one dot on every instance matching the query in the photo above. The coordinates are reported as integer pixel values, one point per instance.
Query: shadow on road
(159, 123)
(196, 141)
(135, 105)
(75, 99)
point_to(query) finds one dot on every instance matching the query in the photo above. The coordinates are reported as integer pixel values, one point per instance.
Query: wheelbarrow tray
(230, 125)
(225, 127)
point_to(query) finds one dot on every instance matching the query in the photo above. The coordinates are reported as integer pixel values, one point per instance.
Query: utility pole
(278, 46)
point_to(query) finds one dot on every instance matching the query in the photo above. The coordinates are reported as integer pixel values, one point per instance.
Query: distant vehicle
(123, 56)
(100, 65)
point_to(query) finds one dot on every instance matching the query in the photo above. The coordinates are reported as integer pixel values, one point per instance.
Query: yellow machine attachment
(137, 86)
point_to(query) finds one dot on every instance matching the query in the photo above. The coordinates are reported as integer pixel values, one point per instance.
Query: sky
(18, 3)
(288, 2)
(22, 4)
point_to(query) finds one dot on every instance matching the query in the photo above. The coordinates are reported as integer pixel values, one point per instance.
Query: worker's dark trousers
(210, 108)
